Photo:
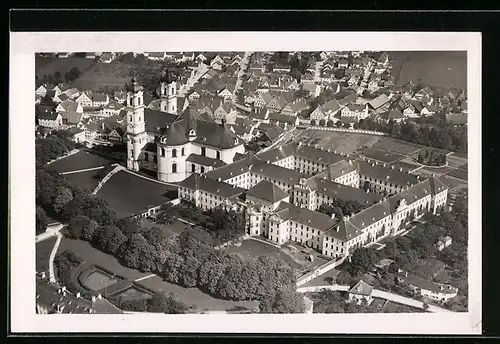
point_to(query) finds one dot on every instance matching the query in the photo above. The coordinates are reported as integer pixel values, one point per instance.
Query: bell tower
(168, 92)
(136, 130)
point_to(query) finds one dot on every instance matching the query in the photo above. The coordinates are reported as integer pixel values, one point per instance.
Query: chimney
(392, 167)
(99, 296)
(93, 298)
(78, 295)
(406, 273)
(333, 216)
(63, 289)
(102, 126)
(400, 169)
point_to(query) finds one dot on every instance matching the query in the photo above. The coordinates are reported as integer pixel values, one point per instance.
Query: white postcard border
(22, 181)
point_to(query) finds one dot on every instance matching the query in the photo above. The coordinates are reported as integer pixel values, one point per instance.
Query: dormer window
(192, 132)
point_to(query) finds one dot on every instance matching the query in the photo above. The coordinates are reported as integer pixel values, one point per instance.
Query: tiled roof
(48, 115)
(282, 118)
(337, 170)
(151, 147)
(361, 288)
(380, 172)
(267, 191)
(210, 185)
(100, 97)
(343, 192)
(72, 117)
(69, 105)
(157, 121)
(235, 169)
(276, 173)
(427, 285)
(114, 105)
(304, 216)
(379, 101)
(205, 161)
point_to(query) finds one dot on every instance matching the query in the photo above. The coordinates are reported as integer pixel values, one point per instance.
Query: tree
(88, 231)
(76, 226)
(128, 226)
(420, 158)
(288, 301)
(139, 254)
(110, 239)
(62, 197)
(161, 304)
(41, 220)
(166, 214)
(364, 258)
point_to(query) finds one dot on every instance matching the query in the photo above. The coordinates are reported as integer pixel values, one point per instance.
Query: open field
(254, 248)
(339, 141)
(114, 74)
(92, 255)
(397, 146)
(79, 161)
(435, 68)
(193, 296)
(48, 66)
(381, 155)
(459, 173)
(128, 194)
(84, 179)
(43, 250)
(457, 162)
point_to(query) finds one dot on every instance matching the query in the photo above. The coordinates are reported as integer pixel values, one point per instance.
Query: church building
(172, 145)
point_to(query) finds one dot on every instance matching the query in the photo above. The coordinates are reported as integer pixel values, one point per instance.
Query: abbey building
(172, 145)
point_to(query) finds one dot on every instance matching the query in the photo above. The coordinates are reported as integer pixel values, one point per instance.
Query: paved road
(52, 274)
(378, 294)
(407, 301)
(51, 232)
(244, 63)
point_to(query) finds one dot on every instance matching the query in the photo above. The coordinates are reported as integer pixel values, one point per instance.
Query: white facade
(137, 137)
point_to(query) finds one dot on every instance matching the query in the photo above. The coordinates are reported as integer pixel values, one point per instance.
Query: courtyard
(128, 194)
(79, 161)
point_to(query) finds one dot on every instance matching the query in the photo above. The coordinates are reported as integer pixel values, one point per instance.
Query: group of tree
(432, 131)
(56, 78)
(328, 301)
(431, 159)
(191, 261)
(341, 207)
(158, 303)
(52, 147)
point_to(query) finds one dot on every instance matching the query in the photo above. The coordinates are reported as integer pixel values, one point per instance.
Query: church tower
(136, 129)
(168, 92)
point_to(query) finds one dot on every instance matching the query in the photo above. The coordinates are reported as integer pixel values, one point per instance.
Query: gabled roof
(48, 115)
(379, 101)
(100, 97)
(361, 288)
(378, 171)
(72, 117)
(69, 105)
(304, 216)
(267, 191)
(210, 185)
(205, 161)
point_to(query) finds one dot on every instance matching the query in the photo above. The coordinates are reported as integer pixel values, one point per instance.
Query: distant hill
(447, 69)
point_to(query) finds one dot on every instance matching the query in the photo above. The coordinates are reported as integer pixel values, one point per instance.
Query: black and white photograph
(323, 179)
